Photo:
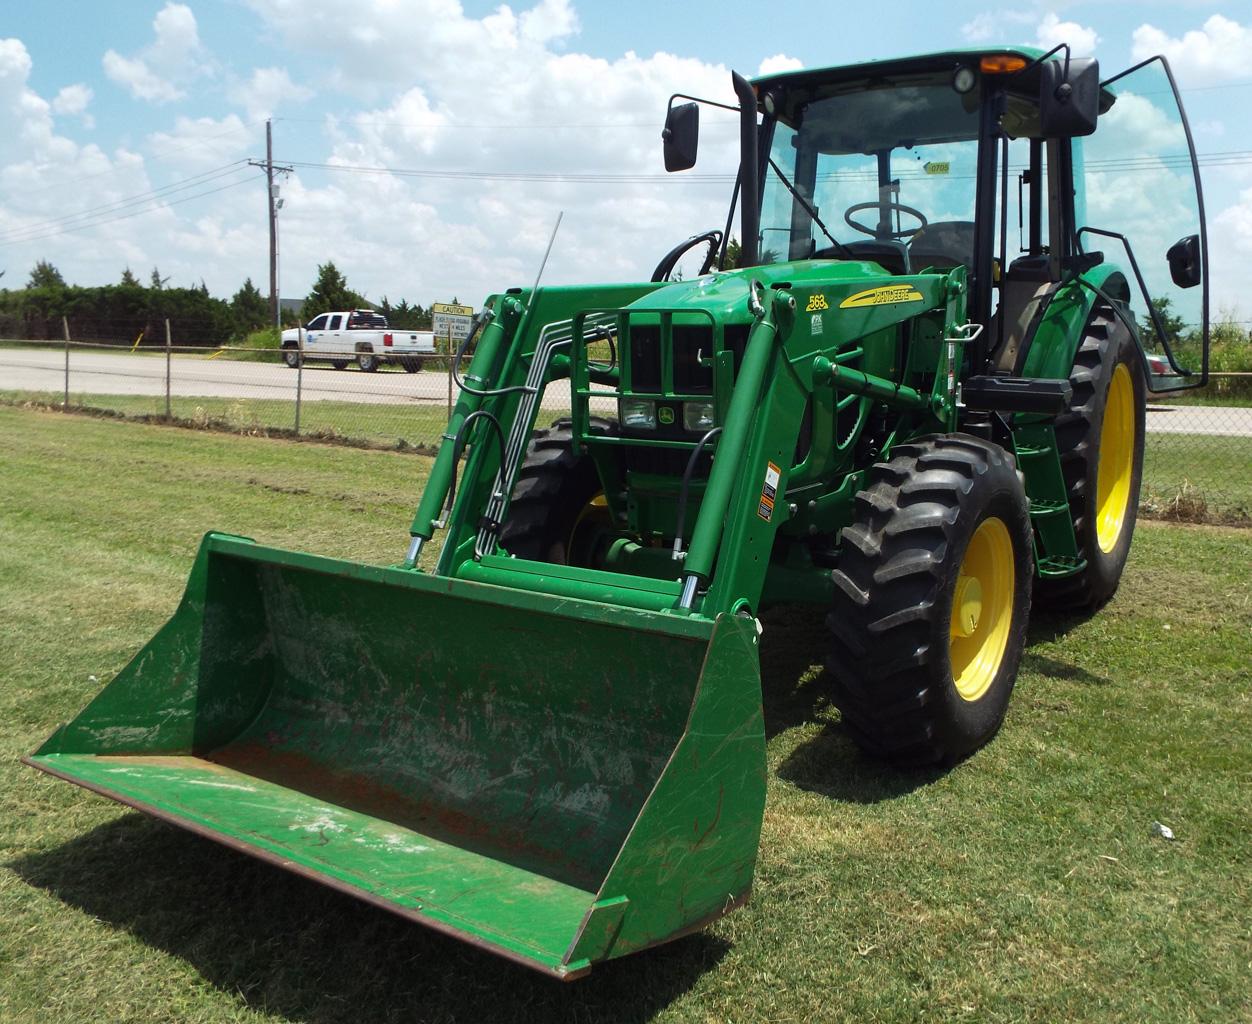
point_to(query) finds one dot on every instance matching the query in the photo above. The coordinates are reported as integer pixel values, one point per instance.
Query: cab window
(317, 324)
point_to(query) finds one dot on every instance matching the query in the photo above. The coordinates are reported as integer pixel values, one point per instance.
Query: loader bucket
(556, 780)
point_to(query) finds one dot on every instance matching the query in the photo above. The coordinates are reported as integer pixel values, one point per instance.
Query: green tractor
(915, 400)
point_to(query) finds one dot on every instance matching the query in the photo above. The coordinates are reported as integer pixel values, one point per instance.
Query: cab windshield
(882, 170)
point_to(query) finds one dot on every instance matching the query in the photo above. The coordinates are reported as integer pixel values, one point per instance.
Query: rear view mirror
(681, 137)
(1069, 97)
(1184, 261)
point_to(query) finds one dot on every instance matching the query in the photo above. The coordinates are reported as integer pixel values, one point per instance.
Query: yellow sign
(452, 310)
(882, 296)
(817, 302)
(937, 167)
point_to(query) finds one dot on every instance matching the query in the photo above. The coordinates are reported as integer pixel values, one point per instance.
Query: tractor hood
(724, 293)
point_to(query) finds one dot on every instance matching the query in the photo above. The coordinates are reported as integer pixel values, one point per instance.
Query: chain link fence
(1197, 465)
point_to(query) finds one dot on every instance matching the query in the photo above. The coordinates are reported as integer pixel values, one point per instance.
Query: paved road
(119, 373)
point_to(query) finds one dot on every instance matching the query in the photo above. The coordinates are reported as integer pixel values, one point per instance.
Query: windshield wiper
(808, 208)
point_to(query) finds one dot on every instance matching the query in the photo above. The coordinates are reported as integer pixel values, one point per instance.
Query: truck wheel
(932, 596)
(339, 364)
(291, 356)
(367, 361)
(1100, 441)
(558, 509)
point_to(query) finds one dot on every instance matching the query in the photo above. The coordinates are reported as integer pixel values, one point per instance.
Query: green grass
(1198, 477)
(1024, 885)
(375, 424)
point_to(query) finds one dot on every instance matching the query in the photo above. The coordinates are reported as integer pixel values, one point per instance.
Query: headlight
(637, 413)
(698, 416)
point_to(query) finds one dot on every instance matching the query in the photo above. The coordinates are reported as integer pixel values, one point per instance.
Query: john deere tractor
(913, 395)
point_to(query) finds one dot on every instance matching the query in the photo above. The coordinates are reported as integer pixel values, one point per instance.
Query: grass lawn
(1026, 884)
(1213, 474)
(379, 425)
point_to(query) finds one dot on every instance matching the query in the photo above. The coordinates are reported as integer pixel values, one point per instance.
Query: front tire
(1100, 442)
(291, 356)
(932, 598)
(557, 512)
(339, 364)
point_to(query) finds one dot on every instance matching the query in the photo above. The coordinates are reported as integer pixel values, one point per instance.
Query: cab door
(1138, 200)
(313, 333)
(332, 342)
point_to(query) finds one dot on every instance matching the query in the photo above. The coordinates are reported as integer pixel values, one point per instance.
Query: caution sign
(769, 492)
(449, 320)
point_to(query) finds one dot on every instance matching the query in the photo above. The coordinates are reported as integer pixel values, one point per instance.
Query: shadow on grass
(830, 762)
(797, 692)
(283, 945)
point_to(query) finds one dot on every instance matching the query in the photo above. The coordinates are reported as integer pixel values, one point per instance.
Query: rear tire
(554, 506)
(367, 361)
(1100, 442)
(932, 597)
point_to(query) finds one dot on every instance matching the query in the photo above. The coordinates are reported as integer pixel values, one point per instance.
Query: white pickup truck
(358, 334)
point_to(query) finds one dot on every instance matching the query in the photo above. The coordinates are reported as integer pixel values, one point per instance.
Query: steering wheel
(873, 232)
(670, 260)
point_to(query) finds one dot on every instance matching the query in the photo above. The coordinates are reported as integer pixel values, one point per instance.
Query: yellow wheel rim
(982, 609)
(595, 511)
(1116, 461)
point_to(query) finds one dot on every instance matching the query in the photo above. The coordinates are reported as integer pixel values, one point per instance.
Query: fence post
(451, 366)
(65, 326)
(167, 369)
(299, 371)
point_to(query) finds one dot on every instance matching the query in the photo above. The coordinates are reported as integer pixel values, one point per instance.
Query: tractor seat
(943, 244)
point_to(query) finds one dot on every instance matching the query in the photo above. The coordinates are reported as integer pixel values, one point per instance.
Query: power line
(127, 201)
(136, 213)
(161, 158)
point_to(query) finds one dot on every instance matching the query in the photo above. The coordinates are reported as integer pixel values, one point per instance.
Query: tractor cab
(991, 161)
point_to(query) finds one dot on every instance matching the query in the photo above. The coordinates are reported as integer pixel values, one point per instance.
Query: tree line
(131, 308)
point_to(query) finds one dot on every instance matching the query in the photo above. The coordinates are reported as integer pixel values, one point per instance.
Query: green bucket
(557, 780)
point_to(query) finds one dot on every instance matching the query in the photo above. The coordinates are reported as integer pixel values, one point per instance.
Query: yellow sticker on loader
(882, 296)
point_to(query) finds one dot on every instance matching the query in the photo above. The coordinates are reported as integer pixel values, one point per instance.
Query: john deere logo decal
(882, 296)
(665, 415)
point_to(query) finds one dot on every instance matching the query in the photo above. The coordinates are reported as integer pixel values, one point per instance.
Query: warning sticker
(817, 326)
(769, 492)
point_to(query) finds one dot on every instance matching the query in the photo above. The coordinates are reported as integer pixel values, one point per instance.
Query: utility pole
(272, 208)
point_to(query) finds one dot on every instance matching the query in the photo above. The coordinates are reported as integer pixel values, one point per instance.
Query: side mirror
(1184, 261)
(681, 137)
(1069, 104)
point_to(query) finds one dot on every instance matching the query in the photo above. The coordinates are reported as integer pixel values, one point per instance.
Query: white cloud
(173, 58)
(1220, 51)
(266, 90)
(779, 63)
(197, 144)
(991, 26)
(1052, 31)
(73, 99)
(1011, 27)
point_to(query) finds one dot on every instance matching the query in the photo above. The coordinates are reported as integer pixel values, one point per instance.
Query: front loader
(871, 405)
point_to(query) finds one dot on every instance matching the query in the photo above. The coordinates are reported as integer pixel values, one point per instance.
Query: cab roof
(918, 63)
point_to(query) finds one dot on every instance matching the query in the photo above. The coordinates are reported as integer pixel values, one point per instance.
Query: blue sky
(102, 103)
